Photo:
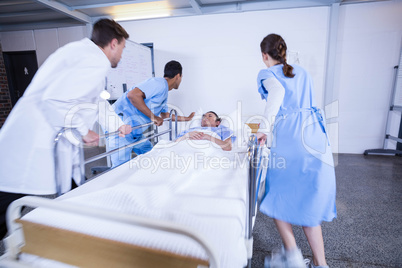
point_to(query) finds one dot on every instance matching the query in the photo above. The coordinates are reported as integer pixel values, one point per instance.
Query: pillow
(196, 120)
(232, 120)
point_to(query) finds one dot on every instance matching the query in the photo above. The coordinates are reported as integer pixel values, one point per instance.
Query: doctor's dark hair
(275, 46)
(172, 68)
(105, 30)
(218, 119)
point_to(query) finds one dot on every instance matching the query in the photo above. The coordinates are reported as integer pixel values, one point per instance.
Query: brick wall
(5, 101)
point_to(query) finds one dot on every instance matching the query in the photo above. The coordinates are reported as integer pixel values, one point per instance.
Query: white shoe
(285, 259)
(321, 266)
(309, 263)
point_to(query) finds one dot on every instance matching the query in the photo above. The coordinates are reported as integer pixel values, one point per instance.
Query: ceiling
(38, 14)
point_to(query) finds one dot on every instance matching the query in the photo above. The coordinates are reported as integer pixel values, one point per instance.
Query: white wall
(220, 55)
(369, 44)
(45, 41)
(221, 58)
(17, 41)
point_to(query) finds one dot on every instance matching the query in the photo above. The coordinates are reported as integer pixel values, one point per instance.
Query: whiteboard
(398, 84)
(134, 67)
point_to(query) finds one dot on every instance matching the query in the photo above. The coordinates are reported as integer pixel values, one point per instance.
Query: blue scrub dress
(300, 187)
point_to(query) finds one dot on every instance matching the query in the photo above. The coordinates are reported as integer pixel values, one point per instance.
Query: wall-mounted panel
(18, 41)
(70, 34)
(46, 43)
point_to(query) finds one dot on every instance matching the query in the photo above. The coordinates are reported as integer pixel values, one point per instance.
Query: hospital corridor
(367, 232)
(201, 133)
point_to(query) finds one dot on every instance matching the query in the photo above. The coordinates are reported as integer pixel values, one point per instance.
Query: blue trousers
(123, 156)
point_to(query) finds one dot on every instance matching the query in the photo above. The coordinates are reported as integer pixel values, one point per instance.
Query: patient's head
(210, 119)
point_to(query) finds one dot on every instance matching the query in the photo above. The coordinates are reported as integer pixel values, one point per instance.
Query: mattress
(192, 184)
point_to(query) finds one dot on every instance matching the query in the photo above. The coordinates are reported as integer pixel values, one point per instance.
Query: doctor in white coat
(64, 93)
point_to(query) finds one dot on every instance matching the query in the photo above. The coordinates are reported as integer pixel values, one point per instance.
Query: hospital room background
(352, 62)
(350, 50)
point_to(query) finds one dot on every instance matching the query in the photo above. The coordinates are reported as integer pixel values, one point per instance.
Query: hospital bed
(133, 216)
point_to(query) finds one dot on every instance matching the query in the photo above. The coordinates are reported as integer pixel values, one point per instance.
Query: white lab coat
(71, 78)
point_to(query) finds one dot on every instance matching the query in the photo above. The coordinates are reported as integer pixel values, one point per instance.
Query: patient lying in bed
(210, 130)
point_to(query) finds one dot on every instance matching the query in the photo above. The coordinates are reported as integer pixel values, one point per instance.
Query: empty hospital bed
(179, 205)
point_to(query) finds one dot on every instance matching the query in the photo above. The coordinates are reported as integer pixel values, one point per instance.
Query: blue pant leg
(143, 147)
(121, 156)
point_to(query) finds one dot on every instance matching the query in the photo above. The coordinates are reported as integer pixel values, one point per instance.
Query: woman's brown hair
(275, 47)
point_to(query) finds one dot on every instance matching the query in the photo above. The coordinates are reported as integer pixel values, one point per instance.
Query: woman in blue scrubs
(301, 191)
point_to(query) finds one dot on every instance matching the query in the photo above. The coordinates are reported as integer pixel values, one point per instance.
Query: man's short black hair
(172, 68)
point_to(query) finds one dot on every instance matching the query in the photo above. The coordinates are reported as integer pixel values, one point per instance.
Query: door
(21, 67)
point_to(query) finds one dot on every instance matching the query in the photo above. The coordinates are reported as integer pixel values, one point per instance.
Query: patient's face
(209, 120)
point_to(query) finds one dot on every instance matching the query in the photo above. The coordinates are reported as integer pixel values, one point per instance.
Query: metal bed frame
(74, 132)
(15, 241)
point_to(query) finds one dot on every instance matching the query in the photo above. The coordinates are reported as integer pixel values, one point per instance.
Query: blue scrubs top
(300, 186)
(156, 95)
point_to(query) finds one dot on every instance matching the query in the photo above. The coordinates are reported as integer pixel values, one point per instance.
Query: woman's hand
(261, 137)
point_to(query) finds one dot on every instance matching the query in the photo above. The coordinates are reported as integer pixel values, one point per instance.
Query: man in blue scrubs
(145, 103)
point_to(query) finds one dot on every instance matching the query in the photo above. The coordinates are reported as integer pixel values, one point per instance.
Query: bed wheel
(100, 169)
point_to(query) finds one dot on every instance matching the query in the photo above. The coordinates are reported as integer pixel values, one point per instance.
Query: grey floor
(368, 230)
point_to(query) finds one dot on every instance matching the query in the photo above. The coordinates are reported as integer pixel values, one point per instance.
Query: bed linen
(194, 184)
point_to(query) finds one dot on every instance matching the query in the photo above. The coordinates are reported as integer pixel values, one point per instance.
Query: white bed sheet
(208, 194)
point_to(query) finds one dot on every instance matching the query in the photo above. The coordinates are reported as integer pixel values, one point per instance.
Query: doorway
(21, 67)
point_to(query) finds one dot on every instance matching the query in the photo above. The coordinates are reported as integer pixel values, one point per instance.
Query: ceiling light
(143, 15)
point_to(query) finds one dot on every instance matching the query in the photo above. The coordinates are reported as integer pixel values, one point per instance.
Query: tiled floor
(368, 230)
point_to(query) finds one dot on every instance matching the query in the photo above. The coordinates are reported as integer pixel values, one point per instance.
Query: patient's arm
(226, 145)
(193, 135)
(179, 117)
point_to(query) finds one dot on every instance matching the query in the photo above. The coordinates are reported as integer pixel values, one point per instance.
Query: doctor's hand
(91, 139)
(188, 118)
(157, 120)
(124, 130)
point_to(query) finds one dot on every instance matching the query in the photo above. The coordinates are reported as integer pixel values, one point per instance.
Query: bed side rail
(257, 168)
(16, 240)
(75, 133)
